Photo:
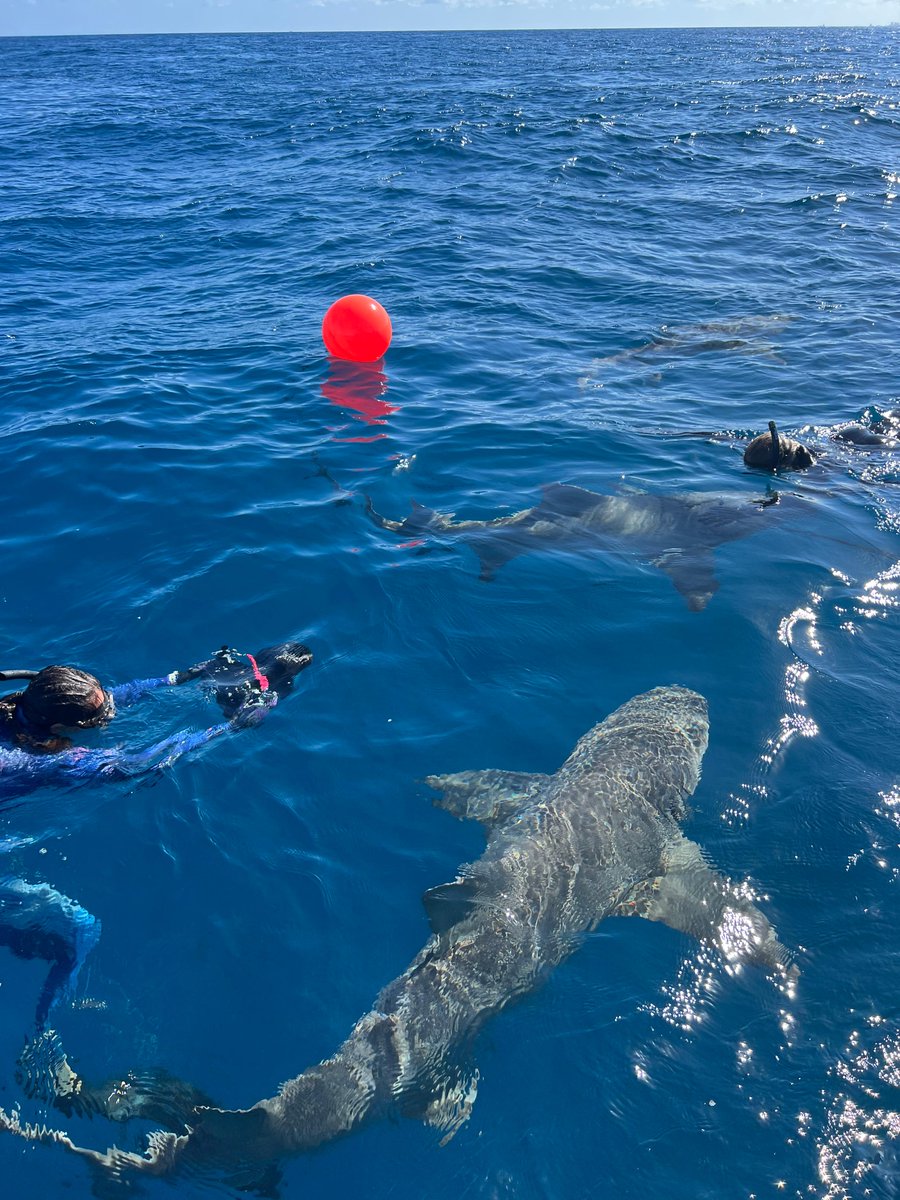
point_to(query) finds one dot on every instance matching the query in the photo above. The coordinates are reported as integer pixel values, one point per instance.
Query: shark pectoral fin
(487, 796)
(693, 898)
(450, 903)
(692, 574)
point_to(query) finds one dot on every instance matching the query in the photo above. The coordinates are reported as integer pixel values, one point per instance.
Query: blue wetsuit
(36, 921)
(22, 770)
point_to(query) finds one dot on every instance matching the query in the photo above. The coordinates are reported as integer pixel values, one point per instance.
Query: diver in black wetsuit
(36, 921)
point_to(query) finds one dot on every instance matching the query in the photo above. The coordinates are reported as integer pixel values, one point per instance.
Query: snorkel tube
(10, 675)
(776, 448)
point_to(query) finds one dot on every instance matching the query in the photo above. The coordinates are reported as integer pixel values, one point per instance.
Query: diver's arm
(20, 770)
(122, 764)
(119, 764)
(126, 694)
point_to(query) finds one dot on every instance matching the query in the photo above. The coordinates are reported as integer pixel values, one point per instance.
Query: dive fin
(486, 796)
(449, 903)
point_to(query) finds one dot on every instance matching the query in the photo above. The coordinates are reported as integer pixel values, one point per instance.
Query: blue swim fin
(36, 921)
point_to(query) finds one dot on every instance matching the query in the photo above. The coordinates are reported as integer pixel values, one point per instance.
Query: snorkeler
(36, 921)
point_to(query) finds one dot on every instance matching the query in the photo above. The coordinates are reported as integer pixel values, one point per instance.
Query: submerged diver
(36, 921)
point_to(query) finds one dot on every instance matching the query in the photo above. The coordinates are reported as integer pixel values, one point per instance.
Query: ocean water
(590, 244)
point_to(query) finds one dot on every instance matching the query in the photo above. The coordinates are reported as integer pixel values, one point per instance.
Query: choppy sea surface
(590, 243)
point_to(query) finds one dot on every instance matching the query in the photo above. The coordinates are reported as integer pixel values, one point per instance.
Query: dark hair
(55, 696)
(62, 696)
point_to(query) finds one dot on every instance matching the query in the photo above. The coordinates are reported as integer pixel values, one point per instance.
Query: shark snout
(688, 716)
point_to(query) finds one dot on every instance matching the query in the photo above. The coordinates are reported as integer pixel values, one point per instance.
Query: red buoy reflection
(359, 387)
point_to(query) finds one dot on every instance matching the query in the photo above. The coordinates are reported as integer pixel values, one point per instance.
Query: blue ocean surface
(590, 244)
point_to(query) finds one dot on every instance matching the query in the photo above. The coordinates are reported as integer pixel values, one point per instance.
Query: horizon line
(474, 29)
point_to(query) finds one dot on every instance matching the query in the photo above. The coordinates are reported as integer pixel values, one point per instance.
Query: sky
(55, 17)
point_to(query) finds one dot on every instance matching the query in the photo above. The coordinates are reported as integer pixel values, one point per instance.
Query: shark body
(676, 533)
(601, 837)
(752, 336)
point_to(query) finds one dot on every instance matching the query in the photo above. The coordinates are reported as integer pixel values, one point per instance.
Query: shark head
(683, 718)
(669, 726)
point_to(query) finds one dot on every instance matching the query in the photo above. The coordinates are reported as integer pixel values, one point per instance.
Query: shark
(600, 837)
(752, 336)
(676, 533)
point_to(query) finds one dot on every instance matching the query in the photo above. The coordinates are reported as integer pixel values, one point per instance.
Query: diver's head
(773, 452)
(282, 663)
(61, 698)
(273, 672)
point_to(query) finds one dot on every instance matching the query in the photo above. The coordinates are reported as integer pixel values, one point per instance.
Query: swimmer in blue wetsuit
(35, 920)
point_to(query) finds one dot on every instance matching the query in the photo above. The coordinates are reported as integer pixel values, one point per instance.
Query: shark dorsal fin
(449, 903)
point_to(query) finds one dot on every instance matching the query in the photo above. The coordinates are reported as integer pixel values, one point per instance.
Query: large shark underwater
(599, 838)
(676, 533)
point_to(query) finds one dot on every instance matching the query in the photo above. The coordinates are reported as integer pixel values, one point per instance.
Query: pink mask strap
(260, 678)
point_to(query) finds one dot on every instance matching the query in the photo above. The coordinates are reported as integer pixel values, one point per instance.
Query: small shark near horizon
(676, 533)
(599, 838)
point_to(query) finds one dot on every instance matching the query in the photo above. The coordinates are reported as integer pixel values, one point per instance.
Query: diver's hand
(202, 670)
(254, 710)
